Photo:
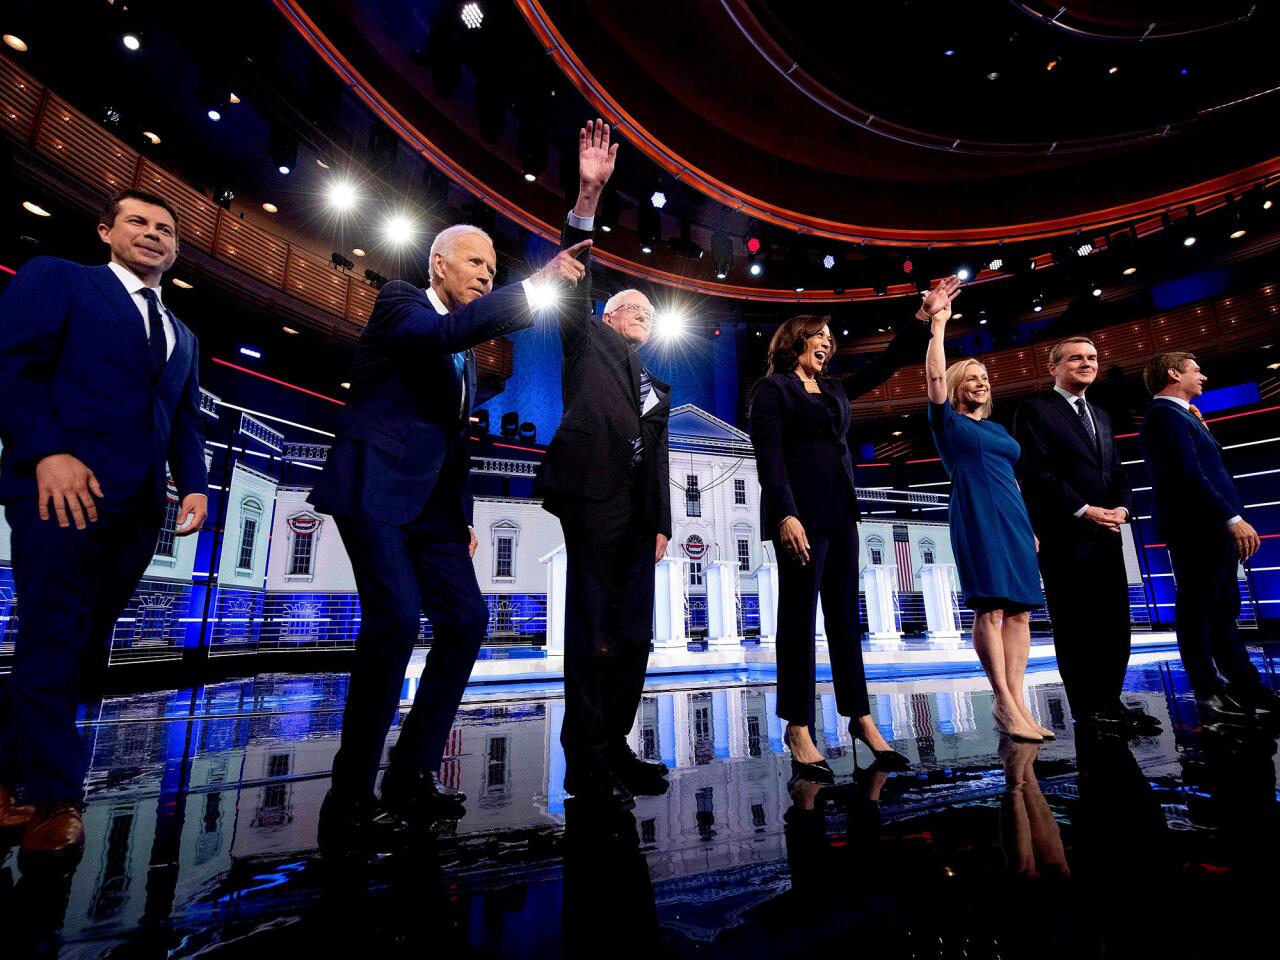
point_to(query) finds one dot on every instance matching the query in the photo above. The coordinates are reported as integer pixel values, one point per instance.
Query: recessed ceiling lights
(957, 316)
(1129, 271)
(321, 164)
(1188, 241)
(896, 433)
(181, 283)
(646, 249)
(1266, 204)
(1114, 70)
(345, 386)
(270, 208)
(1097, 291)
(214, 115)
(233, 98)
(38, 210)
(799, 289)
(720, 275)
(289, 330)
(530, 177)
(152, 138)
(132, 42)
(993, 75)
(659, 199)
(17, 43)
(606, 228)
(342, 196)
(1237, 234)
(472, 16)
(948, 53)
(829, 262)
(357, 252)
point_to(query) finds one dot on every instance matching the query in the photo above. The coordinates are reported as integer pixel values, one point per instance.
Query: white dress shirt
(134, 286)
(1072, 399)
(1185, 405)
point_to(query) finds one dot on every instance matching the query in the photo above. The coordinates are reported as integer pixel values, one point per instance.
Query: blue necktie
(157, 349)
(460, 364)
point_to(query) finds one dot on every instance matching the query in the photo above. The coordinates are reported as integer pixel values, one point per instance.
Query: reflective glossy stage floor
(203, 807)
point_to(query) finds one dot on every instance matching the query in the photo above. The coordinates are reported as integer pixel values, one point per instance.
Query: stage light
(948, 53)
(828, 262)
(1053, 64)
(756, 268)
(715, 332)
(982, 318)
(15, 42)
(472, 16)
(963, 273)
(357, 252)
(669, 325)
(1037, 302)
(995, 263)
(1129, 271)
(530, 177)
(38, 210)
(1183, 72)
(957, 316)
(1266, 204)
(132, 42)
(606, 228)
(646, 248)
(223, 197)
(339, 261)
(270, 208)
(908, 265)
(181, 283)
(150, 137)
(721, 254)
(1189, 240)
(1237, 233)
(345, 385)
(232, 98)
(1097, 291)
(659, 199)
(993, 75)
(290, 330)
(879, 288)
(374, 278)
(399, 230)
(799, 289)
(283, 147)
(342, 196)
(110, 115)
(753, 244)
(321, 164)
(1114, 70)
(844, 333)
(251, 352)
(284, 170)
(895, 433)
(1084, 249)
(542, 296)
(214, 114)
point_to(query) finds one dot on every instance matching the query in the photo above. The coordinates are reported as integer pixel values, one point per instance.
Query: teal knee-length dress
(991, 534)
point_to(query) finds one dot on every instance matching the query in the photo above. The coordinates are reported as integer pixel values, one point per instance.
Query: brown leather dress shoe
(55, 830)
(12, 813)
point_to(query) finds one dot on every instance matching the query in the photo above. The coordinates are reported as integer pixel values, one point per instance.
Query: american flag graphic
(902, 557)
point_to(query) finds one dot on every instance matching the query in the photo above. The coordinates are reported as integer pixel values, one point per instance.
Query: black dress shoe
(596, 784)
(359, 827)
(417, 796)
(1221, 707)
(819, 772)
(640, 776)
(1257, 698)
(1142, 724)
(1113, 722)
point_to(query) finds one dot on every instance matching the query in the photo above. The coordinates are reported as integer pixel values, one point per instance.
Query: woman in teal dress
(991, 536)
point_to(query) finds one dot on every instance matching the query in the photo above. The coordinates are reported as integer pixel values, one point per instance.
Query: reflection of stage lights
(669, 325)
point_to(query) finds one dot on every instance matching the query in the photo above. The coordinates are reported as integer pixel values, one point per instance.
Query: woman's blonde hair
(955, 377)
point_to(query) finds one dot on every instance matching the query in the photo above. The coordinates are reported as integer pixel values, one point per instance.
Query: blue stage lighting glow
(251, 352)
(215, 116)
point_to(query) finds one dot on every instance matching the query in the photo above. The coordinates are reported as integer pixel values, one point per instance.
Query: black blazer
(1194, 492)
(403, 431)
(802, 455)
(590, 455)
(1061, 469)
(75, 378)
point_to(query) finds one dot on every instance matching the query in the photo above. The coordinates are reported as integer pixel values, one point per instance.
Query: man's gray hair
(612, 303)
(445, 240)
(1059, 348)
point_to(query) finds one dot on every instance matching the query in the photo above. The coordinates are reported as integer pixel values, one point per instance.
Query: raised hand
(596, 156)
(937, 302)
(564, 269)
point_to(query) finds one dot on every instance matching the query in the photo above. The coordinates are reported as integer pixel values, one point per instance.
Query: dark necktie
(157, 348)
(1087, 420)
(460, 364)
(646, 387)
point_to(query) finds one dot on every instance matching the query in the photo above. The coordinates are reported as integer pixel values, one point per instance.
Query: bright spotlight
(963, 273)
(542, 296)
(1189, 241)
(400, 230)
(1129, 271)
(342, 196)
(284, 170)
(472, 16)
(214, 115)
(668, 325)
(659, 199)
(1238, 233)
(1097, 291)
(1084, 249)
(646, 248)
(131, 42)
(756, 268)
(829, 262)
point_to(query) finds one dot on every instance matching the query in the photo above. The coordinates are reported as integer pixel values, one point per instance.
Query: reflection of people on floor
(991, 536)
(1029, 834)
(809, 509)
(607, 889)
(33, 909)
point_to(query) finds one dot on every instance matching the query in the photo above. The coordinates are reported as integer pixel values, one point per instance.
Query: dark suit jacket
(590, 455)
(75, 377)
(1194, 493)
(803, 458)
(403, 431)
(1061, 469)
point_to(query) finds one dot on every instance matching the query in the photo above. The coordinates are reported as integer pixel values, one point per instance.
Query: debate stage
(203, 805)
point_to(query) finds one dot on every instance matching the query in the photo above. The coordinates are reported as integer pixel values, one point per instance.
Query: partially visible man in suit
(1078, 496)
(606, 477)
(1198, 514)
(98, 392)
(397, 482)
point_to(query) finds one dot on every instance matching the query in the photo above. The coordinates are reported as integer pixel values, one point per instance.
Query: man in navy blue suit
(98, 392)
(1199, 516)
(397, 483)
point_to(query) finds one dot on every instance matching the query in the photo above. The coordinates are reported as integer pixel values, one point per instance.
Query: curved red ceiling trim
(682, 169)
(329, 53)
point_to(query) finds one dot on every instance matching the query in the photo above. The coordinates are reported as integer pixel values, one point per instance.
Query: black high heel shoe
(818, 772)
(890, 761)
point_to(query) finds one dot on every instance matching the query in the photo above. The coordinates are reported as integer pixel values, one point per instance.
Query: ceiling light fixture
(357, 252)
(829, 262)
(181, 283)
(345, 386)
(400, 230)
(472, 16)
(342, 196)
(1129, 271)
(17, 43)
(232, 98)
(659, 199)
(38, 210)
(152, 138)
(132, 42)
(214, 115)
(270, 208)
(289, 330)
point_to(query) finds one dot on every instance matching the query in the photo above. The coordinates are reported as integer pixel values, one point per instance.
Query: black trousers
(400, 571)
(71, 587)
(1208, 604)
(1087, 590)
(832, 571)
(608, 620)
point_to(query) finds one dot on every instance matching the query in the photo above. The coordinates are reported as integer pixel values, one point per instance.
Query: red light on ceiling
(753, 245)
(907, 265)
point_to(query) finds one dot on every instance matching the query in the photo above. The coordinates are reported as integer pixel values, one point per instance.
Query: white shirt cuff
(581, 223)
(1234, 520)
(1080, 512)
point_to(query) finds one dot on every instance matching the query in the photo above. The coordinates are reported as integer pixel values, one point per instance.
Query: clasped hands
(1110, 519)
(69, 484)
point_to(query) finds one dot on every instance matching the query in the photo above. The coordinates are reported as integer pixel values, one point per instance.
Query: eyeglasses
(637, 309)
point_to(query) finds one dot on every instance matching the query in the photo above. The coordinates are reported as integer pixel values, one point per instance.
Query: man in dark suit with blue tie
(1078, 497)
(98, 392)
(1199, 516)
(397, 482)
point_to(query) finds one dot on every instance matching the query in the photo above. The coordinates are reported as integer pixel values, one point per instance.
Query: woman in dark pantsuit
(799, 428)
